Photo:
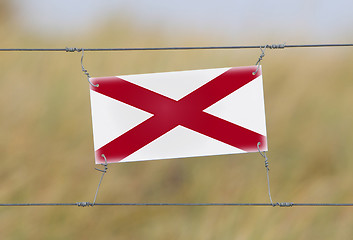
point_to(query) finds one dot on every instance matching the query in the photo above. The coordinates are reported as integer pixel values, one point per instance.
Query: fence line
(88, 204)
(271, 46)
(262, 47)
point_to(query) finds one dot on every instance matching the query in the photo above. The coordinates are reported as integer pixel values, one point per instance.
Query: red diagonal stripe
(131, 94)
(225, 131)
(220, 87)
(135, 139)
(187, 112)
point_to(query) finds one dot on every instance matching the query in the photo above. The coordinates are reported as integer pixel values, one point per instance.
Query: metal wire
(88, 204)
(258, 64)
(82, 67)
(35, 204)
(263, 154)
(105, 164)
(272, 46)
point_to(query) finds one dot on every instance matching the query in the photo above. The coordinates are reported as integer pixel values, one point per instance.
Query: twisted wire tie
(84, 204)
(263, 154)
(273, 46)
(276, 46)
(105, 164)
(283, 204)
(68, 49)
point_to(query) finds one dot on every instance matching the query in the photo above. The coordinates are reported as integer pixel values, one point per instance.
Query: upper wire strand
(273, 46)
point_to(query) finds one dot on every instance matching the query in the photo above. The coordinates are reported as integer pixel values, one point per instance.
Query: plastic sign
(178, 114)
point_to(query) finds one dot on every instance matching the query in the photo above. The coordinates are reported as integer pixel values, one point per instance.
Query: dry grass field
(46, 146)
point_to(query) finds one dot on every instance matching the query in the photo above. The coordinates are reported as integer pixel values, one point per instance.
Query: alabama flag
(178, 114)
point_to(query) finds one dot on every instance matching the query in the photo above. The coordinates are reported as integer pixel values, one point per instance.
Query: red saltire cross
(169, 113)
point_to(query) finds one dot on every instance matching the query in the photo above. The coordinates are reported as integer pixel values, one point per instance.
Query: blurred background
(46, 138)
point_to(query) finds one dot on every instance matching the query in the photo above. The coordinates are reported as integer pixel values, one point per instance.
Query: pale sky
(314, 20)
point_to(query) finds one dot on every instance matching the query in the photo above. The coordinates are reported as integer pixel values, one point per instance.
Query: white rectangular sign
(178, 114)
